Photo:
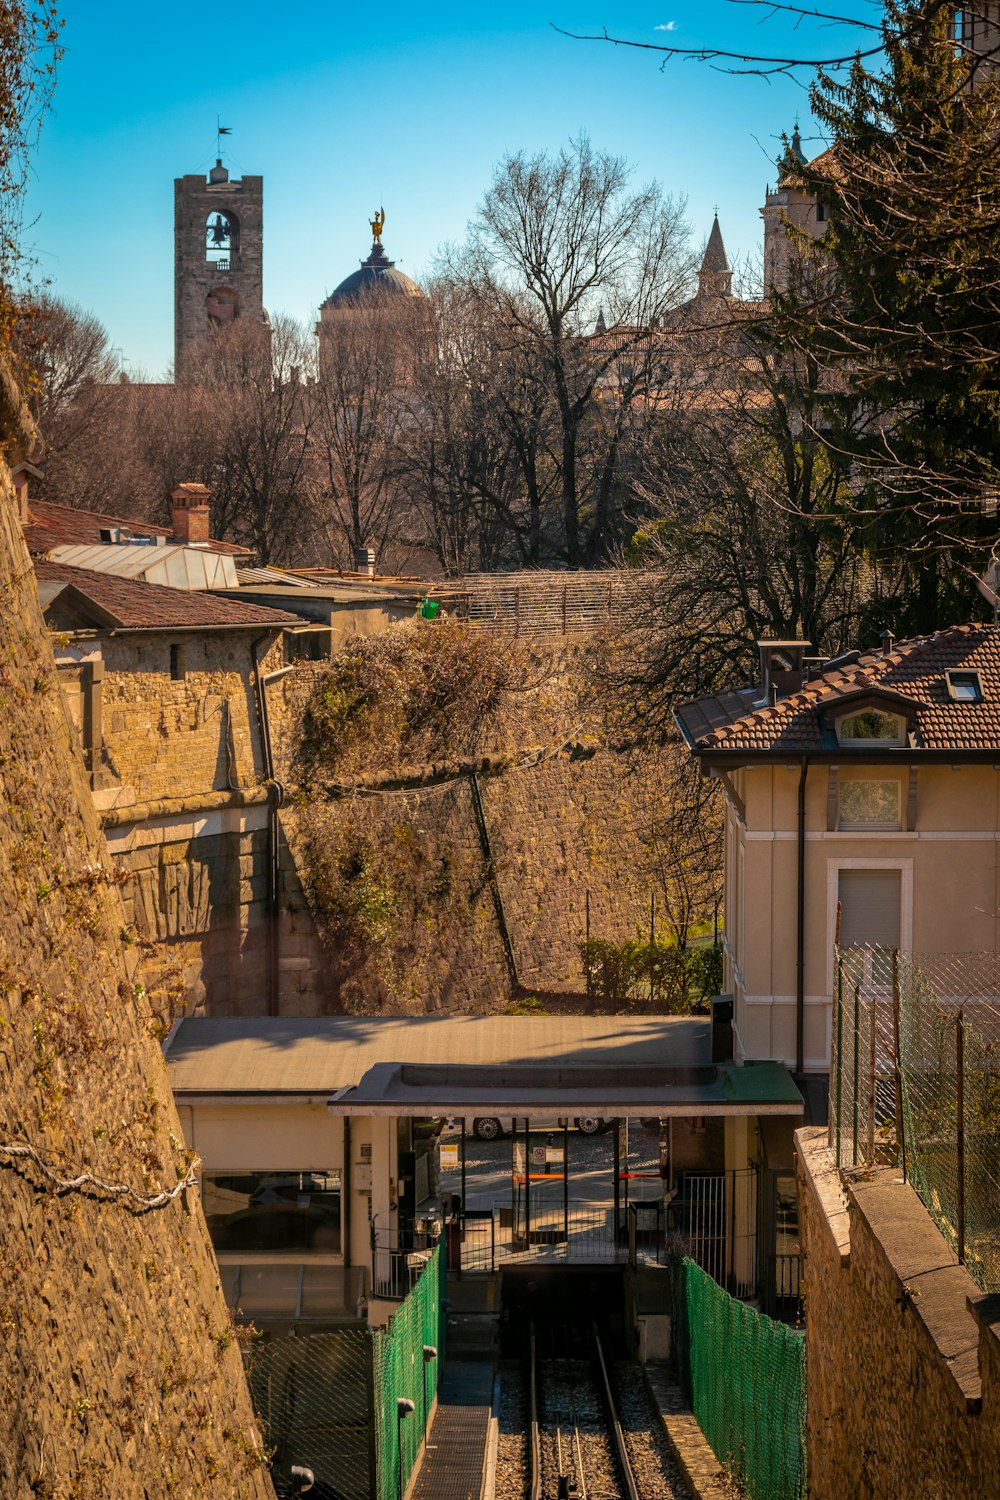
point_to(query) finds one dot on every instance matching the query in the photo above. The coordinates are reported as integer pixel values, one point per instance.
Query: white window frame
(833, 869)
(886, 744)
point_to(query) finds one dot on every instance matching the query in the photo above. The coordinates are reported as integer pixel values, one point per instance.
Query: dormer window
(964, 687)
(871, 726)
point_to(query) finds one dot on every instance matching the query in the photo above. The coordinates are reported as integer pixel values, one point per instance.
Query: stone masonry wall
(903, 1396)
(197, 895)
(198, 878)
(563, 817)
(167, 738)
(119, 1373)
(559, 830)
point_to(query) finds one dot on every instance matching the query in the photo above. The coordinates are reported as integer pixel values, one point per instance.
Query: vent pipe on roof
(888, 641)
(364, 561)
(782, 668)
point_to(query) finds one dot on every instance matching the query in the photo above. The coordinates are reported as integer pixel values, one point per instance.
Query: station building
(337, 1151)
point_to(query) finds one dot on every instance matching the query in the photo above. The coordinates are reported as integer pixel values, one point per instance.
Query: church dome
(377, 274)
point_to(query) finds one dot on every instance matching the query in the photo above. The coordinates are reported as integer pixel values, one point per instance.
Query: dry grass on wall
(119, 1373)
(387, 747)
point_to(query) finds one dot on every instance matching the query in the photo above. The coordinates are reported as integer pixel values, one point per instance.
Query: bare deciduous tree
(248, 382)
(556, 239)
(358, 401)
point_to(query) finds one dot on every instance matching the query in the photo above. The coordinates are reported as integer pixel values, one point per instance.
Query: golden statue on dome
(377, 225)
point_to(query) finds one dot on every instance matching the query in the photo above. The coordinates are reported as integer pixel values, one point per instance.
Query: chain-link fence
(916, 1081)
(744, 1375)
(313, 1394)
(407, 1360)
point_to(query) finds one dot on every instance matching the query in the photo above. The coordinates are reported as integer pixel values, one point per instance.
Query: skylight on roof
(964, 687)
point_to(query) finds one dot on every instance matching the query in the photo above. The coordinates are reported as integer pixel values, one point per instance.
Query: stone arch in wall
(222, 239)
(222, 307)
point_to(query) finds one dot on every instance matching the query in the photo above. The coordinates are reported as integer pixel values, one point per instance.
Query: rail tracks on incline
(588, 1431)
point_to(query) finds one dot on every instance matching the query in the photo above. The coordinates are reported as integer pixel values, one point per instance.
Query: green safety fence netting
(400, 1370)
(744, 1375)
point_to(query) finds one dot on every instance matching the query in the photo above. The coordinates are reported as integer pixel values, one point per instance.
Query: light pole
(404, 1408)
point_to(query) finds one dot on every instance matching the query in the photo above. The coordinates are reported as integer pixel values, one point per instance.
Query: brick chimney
(189, 514)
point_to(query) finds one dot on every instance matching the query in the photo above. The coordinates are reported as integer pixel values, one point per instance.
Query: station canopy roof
(465, 1065)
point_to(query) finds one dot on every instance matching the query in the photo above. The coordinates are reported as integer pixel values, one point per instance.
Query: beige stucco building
(865, 790)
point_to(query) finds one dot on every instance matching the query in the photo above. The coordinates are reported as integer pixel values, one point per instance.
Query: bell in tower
(218, 259)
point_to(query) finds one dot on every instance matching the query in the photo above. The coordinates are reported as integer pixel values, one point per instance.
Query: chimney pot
(189, 513)
(364, 560)
(888, 641)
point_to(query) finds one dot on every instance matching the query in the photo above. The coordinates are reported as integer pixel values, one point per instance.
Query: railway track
(581, 1429)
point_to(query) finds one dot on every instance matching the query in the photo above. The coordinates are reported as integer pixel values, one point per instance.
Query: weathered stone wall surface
(168, 738)
(903, 1397)
(439, 891)
(424, 936)
(197, 894)
(118, 1373)
(182, 761)
(570, 827)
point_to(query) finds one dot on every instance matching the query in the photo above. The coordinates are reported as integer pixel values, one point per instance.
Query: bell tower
(218, 258)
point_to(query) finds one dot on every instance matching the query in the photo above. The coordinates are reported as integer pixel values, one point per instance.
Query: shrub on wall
(419, 693)
(661, 975)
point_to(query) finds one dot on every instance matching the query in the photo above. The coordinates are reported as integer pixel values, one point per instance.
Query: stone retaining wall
(119, 1372)
(902, 1349)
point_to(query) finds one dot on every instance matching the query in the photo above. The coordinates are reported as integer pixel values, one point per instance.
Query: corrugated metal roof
(169, 565)
(272, 576)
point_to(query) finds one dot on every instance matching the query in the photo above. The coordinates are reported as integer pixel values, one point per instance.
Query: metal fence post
(871, 1086)
(960, 1135)
(840, 1046)
(898, 1061)
(854, 1077)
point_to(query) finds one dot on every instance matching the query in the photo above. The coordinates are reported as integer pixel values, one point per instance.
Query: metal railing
(499, 1237)
(714, 1219)
(916, 1082)
(781, 1287)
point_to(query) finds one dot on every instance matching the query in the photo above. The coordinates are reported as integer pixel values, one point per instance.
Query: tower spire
(715, 278)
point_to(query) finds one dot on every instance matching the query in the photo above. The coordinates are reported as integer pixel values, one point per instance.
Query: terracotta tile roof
(914, 672)
(51, 525)
(126, 604)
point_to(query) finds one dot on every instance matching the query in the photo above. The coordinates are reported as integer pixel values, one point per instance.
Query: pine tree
(899, 304)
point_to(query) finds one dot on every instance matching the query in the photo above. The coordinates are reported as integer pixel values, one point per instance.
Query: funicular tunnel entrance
(561, 1305)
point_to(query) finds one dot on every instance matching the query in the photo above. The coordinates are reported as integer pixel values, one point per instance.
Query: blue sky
(345, 107)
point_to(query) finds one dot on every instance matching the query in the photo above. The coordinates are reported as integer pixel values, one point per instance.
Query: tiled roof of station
(912, 676)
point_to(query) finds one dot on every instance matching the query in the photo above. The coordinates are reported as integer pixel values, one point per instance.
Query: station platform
(452, 1465)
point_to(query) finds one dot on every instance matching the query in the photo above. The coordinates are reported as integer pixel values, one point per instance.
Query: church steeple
(715, 279)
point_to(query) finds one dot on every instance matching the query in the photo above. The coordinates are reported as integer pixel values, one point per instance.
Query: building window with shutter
(871, 910)
(869, 805)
